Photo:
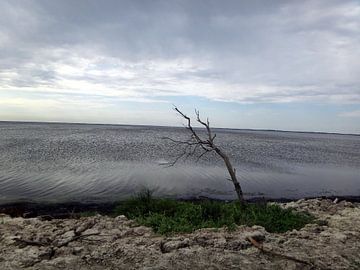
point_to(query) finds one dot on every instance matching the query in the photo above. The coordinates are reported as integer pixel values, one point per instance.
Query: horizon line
(162, 126)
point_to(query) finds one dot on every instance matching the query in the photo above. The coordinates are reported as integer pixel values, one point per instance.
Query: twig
(31, 243)
(76, 237)
(269, 252)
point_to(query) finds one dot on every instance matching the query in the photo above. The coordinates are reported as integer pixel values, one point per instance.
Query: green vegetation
(88, 213)
(170, 216)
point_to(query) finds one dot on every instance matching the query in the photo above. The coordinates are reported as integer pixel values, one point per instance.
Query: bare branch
(30, 242)
(189, 127)
(170, 164)
(283, 256)
(206, 125)
(188, 142)
(203, 154)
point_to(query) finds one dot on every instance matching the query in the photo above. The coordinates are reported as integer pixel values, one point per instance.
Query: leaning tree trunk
(232, 173)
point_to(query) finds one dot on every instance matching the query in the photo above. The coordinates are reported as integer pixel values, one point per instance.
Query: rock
(121, 218)
(69, 262)
(90, 232)
(142, 230)
(339, 236)
(258, 233)
(136, 231)
(169, 246)
(331, 243)
(85, 225)
(77, 250)
(29, 256)
(68, 235)
(46, 253)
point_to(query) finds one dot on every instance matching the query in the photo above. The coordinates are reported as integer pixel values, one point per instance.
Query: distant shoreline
(180, 127)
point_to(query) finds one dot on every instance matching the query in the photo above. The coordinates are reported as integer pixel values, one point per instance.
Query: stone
(122, 244)
(77, 250)
(174, 244)
(90, 232)
(121, 218)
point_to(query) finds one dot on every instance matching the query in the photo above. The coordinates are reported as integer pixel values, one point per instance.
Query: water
(72, 162)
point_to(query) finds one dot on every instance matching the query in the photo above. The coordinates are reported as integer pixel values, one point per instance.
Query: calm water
(62, 162)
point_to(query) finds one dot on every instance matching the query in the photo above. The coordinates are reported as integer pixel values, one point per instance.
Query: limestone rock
(118, 243)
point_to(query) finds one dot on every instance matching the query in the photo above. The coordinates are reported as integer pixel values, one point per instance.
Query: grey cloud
(300, 50)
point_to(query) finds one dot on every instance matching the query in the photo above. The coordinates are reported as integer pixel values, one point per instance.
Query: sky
(289, 65)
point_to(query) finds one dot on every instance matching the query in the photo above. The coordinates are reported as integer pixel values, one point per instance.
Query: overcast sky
(292, 65)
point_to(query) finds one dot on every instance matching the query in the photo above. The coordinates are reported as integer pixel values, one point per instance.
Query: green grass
(88, 213)
(167, 216)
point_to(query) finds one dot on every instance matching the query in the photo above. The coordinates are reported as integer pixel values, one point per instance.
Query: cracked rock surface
(103, 242)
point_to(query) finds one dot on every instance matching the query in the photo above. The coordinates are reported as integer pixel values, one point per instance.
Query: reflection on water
(60, 162)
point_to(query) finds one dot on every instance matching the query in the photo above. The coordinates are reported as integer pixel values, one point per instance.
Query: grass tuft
(168, 216)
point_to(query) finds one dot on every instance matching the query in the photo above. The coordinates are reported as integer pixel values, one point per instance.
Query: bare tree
(206, 145)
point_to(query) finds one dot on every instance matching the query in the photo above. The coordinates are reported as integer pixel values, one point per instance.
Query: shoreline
(61, 210)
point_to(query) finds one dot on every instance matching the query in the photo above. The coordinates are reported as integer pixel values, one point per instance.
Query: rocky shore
(102, 242)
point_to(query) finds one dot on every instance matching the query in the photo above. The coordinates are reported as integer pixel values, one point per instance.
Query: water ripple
(58, 162)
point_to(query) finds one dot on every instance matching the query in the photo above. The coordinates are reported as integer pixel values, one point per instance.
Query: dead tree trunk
(206, 145)
(232, 173)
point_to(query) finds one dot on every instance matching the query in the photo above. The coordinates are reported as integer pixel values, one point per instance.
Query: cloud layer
(147, 51)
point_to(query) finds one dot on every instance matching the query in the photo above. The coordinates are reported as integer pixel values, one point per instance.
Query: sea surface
(97, 163)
